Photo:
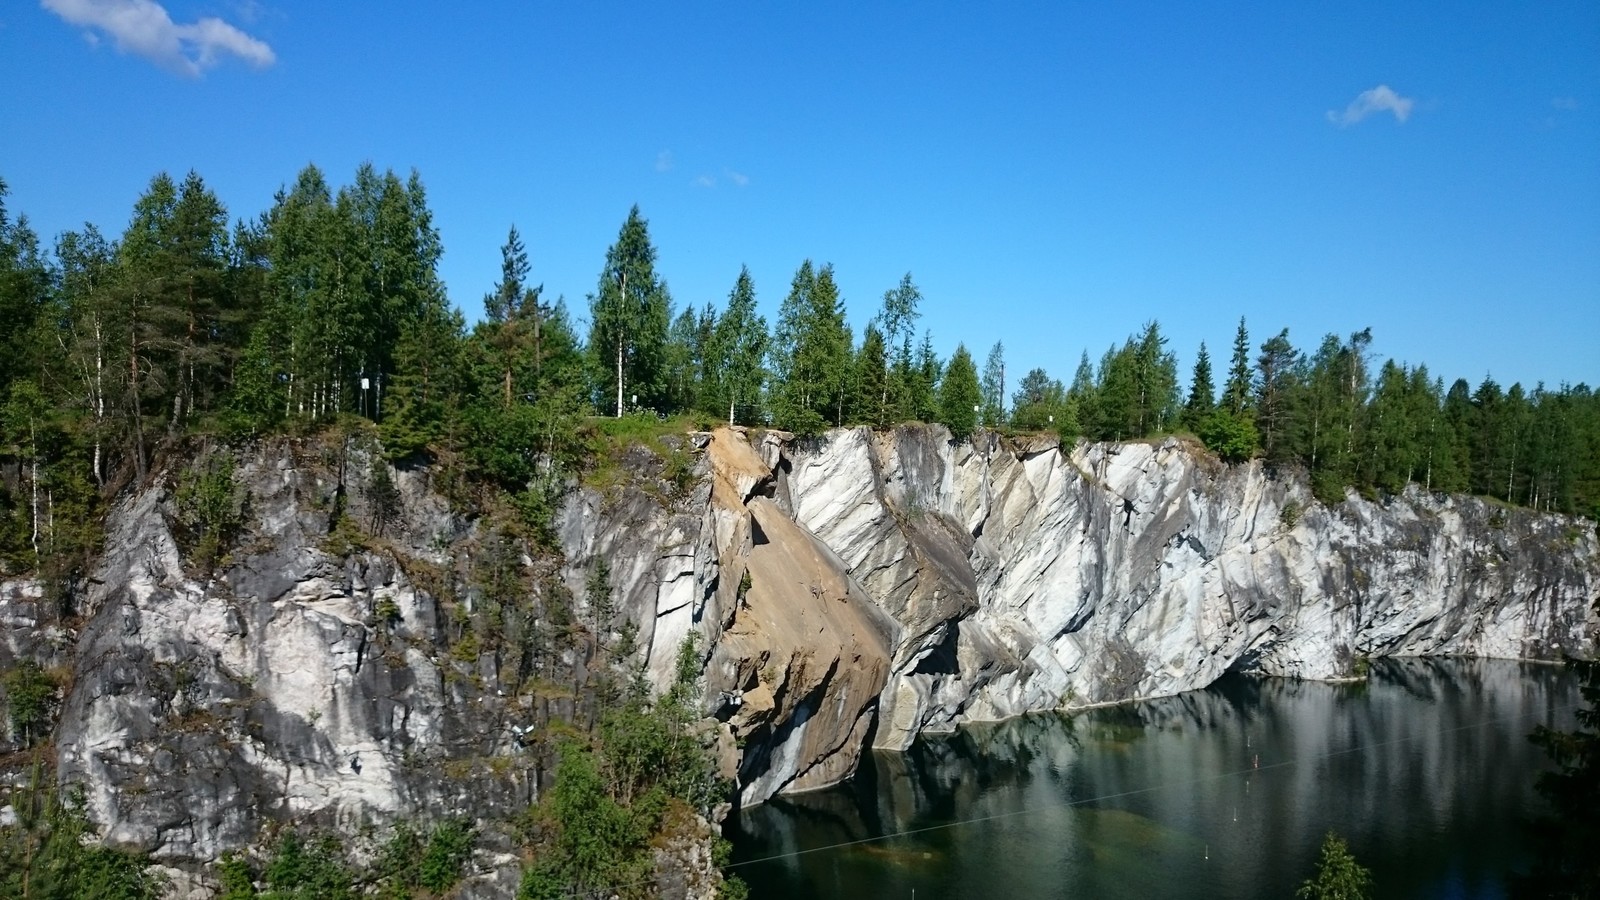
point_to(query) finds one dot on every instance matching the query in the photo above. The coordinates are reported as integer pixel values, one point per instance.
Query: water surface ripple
(1425, 769)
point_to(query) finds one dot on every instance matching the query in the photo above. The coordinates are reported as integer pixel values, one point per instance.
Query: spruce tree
(629, 315)
(1202, 392)
(1039, 403)
(739, 345)
(924, 397)
(1155, 381)
(959, 394)
(810, 353)
(1236, 393)
(994, 386)
(871, 381)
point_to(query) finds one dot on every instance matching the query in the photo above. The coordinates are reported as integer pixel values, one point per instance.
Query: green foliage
(959, 393)
(993, 387)
(30, 702)
(902, 387)
(735, 373)
(1202, 393)
(308, 867)
(51, 852)
(811, 354)
(1566, 835)
(210, 506)
(1236, 391)
(543, 881)
(313, 865)
(1339, 876)
(449, 848)
(870, 391)
(629, 315)
(408, 864)
(1228, 435)
(1040, 404)
(1136, 389)
(614, 793)
(1291, 513)
(236, 878)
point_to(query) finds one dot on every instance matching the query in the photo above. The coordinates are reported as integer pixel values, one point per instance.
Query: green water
(1227, 792)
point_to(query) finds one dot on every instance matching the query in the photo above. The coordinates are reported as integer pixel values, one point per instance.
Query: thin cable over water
(1190, 782)
(1067, 804)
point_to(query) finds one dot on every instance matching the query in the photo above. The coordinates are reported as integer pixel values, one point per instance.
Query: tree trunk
(623, 298)
(140, 464)
(33, 478)
(99, 400)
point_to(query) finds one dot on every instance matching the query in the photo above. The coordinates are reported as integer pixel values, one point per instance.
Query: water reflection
(1227, 792)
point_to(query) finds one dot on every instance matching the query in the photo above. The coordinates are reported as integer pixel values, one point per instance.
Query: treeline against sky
(329, 305)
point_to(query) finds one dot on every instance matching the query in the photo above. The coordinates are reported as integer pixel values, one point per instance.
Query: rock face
(902, 582)
(844, 592)
(296, 684)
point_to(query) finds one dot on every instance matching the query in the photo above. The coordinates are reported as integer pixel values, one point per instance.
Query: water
(1425, 770)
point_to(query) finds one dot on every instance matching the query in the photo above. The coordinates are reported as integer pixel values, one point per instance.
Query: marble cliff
(849, 591)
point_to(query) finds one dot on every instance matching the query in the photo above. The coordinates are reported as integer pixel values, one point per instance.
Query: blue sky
(1053, 174)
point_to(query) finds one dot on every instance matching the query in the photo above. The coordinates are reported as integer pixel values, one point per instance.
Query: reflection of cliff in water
(1425, 768)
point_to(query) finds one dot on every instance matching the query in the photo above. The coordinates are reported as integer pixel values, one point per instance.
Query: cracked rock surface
(864, 587)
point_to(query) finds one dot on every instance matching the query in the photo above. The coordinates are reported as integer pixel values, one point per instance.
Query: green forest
(328, 305)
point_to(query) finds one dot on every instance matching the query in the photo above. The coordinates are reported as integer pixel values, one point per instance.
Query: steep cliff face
(310, 679)
(849, 591)
(301, 682)
(992, 578)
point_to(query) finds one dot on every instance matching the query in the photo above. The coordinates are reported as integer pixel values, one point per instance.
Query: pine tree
(1082, 398)
(1117, 394)
(1275, 393)
(202, 315)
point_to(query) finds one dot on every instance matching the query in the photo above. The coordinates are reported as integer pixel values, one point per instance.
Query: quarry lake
(1425, 769)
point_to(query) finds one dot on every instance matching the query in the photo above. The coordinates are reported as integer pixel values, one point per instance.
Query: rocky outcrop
(903, 582)
(299, 683)
(839, 593)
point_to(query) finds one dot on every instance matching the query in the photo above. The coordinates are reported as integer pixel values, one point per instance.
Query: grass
(609, 440)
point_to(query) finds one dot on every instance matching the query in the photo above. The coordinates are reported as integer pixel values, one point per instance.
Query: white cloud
(142, 27)
(1564, 102)
(704, 181)
(738, 179)
(1380, 99)
(664, 161)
